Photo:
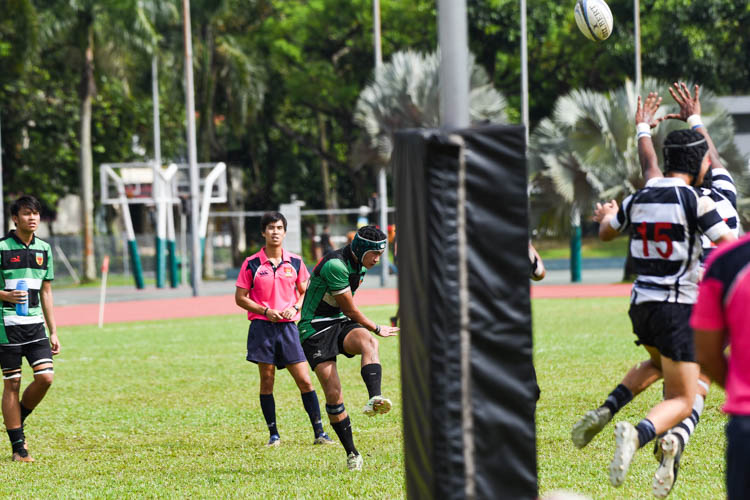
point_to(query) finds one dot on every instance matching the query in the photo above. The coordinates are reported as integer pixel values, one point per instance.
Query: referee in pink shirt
(271, 286)
(721, 317)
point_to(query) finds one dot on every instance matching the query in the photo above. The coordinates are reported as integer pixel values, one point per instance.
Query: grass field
(170, 409)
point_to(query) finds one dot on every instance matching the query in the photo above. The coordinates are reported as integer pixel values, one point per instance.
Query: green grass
(590, 248)
(583, 348)
(170, 409)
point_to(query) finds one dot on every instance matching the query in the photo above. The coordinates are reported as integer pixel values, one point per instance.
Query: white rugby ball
(594, 19)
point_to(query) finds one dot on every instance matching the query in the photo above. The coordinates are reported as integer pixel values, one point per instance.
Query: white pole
(376, 33)
(524, 73)
(454, 63)
(637, 34)
(2, 206)
(195, 261)
(103, 292)
(382, 177)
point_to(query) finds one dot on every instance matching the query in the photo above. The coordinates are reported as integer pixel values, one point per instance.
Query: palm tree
(103, 30)
(587, 151)
(405, 93)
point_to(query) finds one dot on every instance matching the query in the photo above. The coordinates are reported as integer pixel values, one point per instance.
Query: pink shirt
(724, 305)
(275, 288)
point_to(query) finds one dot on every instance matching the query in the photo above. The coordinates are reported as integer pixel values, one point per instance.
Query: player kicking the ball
(665, 220)
(331, 325)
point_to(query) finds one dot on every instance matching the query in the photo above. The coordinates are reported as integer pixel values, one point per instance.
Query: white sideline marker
(103, 293)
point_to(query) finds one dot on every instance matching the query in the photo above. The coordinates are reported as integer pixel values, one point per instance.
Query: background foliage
(277, 81)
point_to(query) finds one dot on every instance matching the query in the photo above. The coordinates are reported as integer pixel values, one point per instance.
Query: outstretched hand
(689, 104)
(601, 211)
(646, 113)
(388, 331)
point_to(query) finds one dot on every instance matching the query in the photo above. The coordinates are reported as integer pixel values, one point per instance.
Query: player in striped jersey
(24, 257)
(665, 219)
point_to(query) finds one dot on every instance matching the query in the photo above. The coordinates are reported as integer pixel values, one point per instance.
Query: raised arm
(645, 120)
(690, 112)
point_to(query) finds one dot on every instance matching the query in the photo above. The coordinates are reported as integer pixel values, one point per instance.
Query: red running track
(190, 307)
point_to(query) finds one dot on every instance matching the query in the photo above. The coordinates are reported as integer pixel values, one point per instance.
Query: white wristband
(642, 129)
(694, 121)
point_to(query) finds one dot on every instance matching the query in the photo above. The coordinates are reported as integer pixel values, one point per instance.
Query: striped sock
(646, 432)
(685, 429)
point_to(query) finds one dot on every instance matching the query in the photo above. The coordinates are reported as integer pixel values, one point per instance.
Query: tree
(406, 94)
(116, 25)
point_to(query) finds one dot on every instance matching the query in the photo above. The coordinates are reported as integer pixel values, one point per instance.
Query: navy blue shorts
(274, 343)
(738, 457)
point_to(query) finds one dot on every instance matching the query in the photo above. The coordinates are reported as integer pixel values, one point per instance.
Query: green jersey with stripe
(33, 264)
(335, 274)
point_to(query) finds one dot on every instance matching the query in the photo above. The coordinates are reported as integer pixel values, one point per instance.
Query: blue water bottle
(23, 308)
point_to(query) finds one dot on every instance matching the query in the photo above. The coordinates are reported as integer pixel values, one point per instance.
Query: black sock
(312, 407)
(17, 440)
(344, 432)
(646, 432)
(268, 406)
(372, 375)
(25, 412)
(618, 398)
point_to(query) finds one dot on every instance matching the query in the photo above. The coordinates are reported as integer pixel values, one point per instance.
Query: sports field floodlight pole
(382, 177)
(195, 261)
(2, 206)
(158, 187)
(524, 73)
(637, 35)
(453, 40)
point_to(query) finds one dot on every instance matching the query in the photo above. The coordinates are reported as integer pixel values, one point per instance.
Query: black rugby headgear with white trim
(684, 151)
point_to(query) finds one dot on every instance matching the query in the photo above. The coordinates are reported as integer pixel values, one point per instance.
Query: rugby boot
(666, 474)
(323, 438)
(354, 461)
(626, 444)
(22, 456)
(275, 440)
(377, 405)
(589, 426)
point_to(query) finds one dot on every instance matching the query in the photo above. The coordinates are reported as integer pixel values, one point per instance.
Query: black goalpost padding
(469, 388)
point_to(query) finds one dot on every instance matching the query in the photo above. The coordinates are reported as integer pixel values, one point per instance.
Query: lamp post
(195, 261)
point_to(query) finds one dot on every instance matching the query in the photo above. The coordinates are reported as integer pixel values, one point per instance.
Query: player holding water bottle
(26, 271)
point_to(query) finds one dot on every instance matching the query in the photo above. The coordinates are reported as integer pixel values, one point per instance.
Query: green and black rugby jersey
(33, 264)
(335, 274)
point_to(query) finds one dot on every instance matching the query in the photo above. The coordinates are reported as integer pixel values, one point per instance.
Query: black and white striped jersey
(666, 219)
(724, 193)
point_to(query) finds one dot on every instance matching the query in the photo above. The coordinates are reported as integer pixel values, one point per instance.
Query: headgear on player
(684, 151)
(368, 239)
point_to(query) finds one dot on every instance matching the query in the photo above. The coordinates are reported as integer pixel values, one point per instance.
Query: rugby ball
(594, 19)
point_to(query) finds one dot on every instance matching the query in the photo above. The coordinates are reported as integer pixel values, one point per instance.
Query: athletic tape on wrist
(643, 127)
(694, 121)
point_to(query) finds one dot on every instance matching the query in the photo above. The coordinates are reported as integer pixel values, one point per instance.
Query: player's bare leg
(12, 416)
(680, 382)
(329, 379)
(638, 378)
(360, 341)
(300, 372)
